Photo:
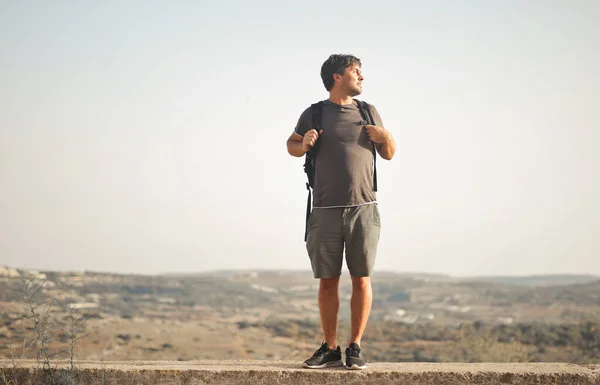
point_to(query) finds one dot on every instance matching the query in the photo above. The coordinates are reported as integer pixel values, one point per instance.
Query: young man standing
(345, 214)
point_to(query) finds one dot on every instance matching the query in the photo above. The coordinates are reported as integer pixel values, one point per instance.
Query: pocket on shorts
(371, 215)
(376, 214)
(311, 220)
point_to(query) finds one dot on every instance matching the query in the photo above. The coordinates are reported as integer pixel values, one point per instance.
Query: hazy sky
(149, 136)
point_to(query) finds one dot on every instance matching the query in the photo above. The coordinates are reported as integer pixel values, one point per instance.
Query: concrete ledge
(288, 372)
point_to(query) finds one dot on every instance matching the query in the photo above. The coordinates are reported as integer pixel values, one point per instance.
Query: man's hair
(336, 64)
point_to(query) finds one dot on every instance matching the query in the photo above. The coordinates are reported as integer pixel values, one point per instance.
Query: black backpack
(310, 157)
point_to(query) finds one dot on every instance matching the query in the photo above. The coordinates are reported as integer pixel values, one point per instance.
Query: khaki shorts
(330, 230)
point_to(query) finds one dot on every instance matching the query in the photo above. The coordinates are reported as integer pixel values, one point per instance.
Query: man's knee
(360, 283)
(330, 283)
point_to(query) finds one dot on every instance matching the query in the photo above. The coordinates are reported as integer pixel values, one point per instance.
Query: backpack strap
(310, 160)
(316, 111)
(365, 113)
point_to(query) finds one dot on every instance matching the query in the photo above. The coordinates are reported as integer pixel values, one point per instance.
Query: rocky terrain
(274, 315)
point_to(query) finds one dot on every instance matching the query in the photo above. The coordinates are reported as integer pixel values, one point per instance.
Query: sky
(149, 137)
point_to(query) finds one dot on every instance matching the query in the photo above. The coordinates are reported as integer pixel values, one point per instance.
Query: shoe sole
(356, 367)
(331, 364)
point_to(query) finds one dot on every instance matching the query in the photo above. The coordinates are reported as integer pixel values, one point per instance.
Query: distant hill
(520, 280)
(536, 280)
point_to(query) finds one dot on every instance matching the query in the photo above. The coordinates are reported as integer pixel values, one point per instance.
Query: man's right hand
(309, 139)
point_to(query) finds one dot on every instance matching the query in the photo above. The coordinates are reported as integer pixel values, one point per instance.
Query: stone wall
(287, 372)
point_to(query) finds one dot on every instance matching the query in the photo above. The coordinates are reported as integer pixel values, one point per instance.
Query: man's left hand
(377, 134)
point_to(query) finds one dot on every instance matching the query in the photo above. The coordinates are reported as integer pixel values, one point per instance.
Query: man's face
(351, 81)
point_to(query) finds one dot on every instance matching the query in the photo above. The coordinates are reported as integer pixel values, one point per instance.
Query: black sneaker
(324, 357)
(353, 359)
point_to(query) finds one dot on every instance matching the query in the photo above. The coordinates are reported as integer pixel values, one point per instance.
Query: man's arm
(294, 145)
(298, 145)
(384, 141)
(387, 149)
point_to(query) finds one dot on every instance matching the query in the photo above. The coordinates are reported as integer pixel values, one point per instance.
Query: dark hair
(336, 64)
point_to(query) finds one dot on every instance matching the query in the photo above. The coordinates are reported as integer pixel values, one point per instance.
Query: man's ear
(337, 77)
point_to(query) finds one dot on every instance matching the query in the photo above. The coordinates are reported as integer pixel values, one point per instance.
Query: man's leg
(325, 246)
(329, 306)
(362, 229)
(360, 307)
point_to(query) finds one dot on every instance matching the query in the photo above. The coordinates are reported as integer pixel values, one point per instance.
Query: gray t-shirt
(344, 168)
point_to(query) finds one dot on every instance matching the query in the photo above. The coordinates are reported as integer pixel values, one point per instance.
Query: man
(345, 214)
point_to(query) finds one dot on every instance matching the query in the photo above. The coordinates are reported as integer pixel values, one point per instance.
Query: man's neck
(340, 99)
